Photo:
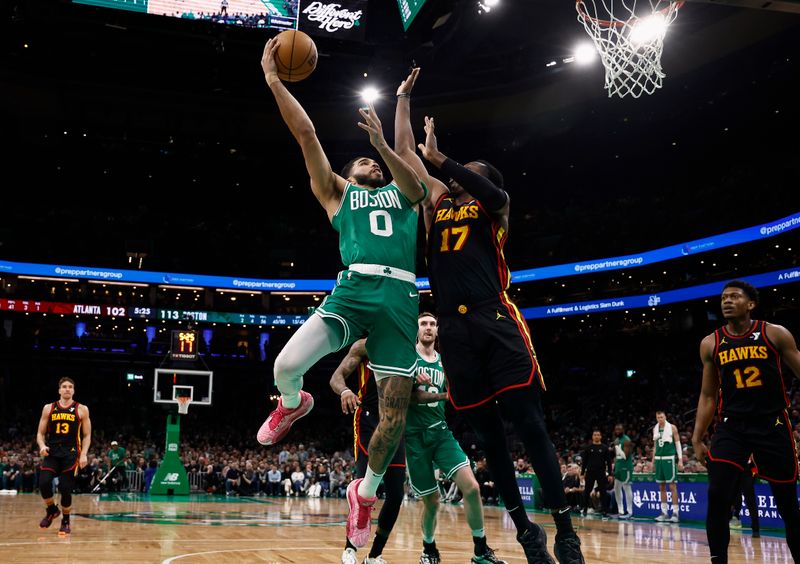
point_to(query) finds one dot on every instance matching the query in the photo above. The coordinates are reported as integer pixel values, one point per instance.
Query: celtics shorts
(623, 475)
(665, 469)
(384, 310)
(427, 448)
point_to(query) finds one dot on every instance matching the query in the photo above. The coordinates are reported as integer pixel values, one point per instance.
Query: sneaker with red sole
(64, 530)
(50, 516)
(280, 421)
(359, 520)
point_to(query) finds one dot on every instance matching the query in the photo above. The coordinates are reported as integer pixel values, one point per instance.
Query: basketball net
(630, 41)
(183, 404)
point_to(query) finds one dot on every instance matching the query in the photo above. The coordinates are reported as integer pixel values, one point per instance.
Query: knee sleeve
(65, 483)
(314, 340)
(46, 483)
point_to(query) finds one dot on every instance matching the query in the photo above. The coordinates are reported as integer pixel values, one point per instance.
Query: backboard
(171, 383)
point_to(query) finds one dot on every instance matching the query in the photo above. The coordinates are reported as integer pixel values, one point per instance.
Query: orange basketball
(296, 57)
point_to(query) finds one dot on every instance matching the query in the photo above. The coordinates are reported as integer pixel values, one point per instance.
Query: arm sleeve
(492, 197)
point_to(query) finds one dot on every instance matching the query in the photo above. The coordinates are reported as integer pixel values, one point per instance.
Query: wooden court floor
(129, 528)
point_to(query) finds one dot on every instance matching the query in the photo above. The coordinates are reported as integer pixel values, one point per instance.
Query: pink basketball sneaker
(359, 520)
(280, 421)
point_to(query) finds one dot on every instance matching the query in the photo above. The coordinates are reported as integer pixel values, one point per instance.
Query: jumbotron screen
(278, 14)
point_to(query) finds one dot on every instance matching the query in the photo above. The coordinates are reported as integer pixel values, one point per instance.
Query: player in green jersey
(376, 295)
(623, 471)
(429, 442)
(666, 452)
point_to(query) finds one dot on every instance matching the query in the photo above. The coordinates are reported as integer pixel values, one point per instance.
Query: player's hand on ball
(268, 57)
(44, 451)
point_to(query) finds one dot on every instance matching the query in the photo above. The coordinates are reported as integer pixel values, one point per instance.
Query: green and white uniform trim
(376, 296)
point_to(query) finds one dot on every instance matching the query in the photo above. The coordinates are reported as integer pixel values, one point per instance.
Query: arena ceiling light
(370, 94)
(585, 53)
(487, 5)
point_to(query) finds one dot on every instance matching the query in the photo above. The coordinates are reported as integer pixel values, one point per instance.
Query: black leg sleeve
(523, 407)
(749, 493)
(488, 427)
(723, 488)
(66, 481)
(393, 481)
(786, 500)
(46, 483)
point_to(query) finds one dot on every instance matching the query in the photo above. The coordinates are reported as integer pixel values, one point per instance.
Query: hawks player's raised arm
(404, 144)
(787, 346)
(709, 390)
(86, 431)
(42, 429)
(326, 185)
(356, 354)
(491, 196)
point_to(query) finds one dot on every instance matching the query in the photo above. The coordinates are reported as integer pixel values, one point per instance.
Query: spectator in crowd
(231, 475)
(248, 483)
(274, 478)
(211, 482)
(485, 482)
(338, 484)
(573, 487)
(298, 480)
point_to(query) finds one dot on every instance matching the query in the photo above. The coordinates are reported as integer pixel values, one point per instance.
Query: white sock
(290, 402)
(369, 485)
(664, 508)
(674, 510)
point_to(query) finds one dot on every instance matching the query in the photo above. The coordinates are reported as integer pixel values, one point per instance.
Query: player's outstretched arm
(493, 198)
(708, 398)
(403, 175)
(326, 185)
(356, 354)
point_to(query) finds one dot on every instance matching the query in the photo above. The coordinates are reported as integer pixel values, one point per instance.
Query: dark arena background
(151, 187)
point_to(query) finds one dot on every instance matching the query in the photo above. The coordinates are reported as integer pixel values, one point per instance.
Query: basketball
(296, 57)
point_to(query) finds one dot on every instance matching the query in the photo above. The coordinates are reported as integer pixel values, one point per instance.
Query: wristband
(346, 390)
(404, 95)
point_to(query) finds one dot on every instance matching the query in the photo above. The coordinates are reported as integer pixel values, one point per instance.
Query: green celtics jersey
(622, 463)
(665, 448)
(377, 226)
(423, 416)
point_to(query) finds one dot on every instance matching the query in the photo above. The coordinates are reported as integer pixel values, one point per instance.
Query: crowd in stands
(219, 460)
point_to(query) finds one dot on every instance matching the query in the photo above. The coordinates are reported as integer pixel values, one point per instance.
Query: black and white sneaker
(534, 544)
(568, 549)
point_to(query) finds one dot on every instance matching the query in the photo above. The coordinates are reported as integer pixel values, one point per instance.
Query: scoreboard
(138, 312)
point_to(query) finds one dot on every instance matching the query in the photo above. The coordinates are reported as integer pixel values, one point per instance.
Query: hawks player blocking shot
(485, 343)
(364, 407)
(64, 436)
(743, 378)
(376, 295)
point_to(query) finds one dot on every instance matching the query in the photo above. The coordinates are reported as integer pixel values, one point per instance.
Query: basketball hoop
(183, 404)
(630, 42)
